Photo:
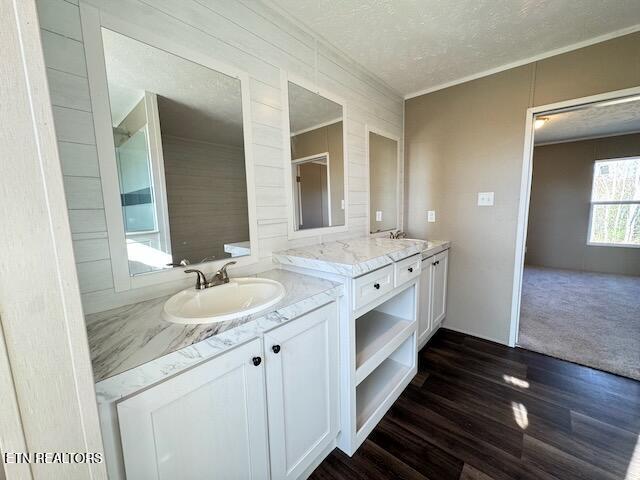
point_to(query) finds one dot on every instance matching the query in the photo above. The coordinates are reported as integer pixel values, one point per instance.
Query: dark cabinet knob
(276, 348)
(410, 269)
(376, 286)
(257, 361)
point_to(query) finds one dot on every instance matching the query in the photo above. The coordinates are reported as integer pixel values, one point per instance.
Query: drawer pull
(376, 286)
(276, 349)
(256, 361)
(410, 269)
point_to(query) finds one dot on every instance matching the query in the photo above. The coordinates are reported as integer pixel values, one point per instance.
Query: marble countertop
(132, 346)
(352, 258)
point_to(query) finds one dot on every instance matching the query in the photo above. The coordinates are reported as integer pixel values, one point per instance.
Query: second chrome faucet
(220, 278)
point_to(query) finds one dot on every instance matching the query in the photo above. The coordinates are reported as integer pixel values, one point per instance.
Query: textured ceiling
(194, 101)
(597, 120)
(308, 109)
(414, 45)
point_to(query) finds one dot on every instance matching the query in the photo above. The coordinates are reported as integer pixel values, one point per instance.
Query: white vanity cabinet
(266, 409)
(208, 422)
(302, 391)
(433, 295)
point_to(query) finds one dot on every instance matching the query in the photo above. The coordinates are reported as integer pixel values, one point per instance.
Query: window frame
(607, 202)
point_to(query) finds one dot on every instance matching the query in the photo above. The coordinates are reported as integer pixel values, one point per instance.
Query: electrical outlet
(485, 199)
(431, 216)
(378, 216)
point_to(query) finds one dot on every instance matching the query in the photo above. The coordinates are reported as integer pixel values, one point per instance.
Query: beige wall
(383, 182)
(207, 197)
(560, 207)
(469, 138)
(326, 139)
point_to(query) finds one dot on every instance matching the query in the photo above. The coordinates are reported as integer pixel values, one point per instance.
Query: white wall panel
(245, 34)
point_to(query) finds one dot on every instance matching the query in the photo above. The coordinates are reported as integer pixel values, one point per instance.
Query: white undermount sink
(239, 297)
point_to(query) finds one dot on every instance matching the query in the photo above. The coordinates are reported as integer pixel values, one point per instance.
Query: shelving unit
(385, 358)
(378, 334)
(382, 386)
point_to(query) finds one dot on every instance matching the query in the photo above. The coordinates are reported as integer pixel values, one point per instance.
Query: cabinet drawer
(371, 286)
(407, 269)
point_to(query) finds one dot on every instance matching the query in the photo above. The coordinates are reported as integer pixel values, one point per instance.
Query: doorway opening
(577, 275)
(312, 194)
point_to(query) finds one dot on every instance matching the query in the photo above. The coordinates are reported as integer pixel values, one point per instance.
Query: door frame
(297, 202)
(525, 190)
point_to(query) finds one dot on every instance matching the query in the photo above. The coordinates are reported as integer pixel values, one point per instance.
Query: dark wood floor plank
(420, 378)
(496, 391)
(478, 410)
(597, 408)
(604, 435)
(497, 407)
(605, 458)
(422, 456)
(584, 389)
(486, 429)
(603, 380)
(444, 433)
(471, 473)
(374, 463)
(561, 464)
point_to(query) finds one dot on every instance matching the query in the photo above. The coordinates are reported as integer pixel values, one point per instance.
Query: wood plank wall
(242, 33)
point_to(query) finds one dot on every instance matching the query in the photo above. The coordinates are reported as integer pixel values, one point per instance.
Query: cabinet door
(208, 422)
(424, 312)
(440, 287)
(302, 390)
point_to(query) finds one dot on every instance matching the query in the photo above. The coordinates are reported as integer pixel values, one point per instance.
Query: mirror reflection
(383, 183)
(179, 141)
(317, 163)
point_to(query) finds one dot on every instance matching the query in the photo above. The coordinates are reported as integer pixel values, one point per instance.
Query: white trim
(156, 153)
(368, 129)
(315, 127)
(525, 61)
(312, 159)
(590, 137)
(293, 232)
(525, 192)
(92, 20)
(48, 392)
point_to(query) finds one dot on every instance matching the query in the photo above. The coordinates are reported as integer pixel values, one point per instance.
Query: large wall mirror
(176, 169)
(316, 170)
(384, 197)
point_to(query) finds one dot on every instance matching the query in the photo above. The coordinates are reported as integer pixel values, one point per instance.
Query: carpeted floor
(587, 318)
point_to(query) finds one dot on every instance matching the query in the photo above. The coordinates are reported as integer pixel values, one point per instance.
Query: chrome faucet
(221, 275)
(397, 235)
(220, 278)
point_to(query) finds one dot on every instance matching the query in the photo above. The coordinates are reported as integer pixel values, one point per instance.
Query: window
(615, 203)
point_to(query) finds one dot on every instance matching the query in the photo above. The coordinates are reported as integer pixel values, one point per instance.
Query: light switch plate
(431, 216)
(485, 199)
(378, 216)
(342, 204)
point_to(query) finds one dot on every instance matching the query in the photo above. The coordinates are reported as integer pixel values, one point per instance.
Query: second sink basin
(239, 297)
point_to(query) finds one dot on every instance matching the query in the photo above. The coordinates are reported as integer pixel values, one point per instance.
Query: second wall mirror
(316, 173)
(384, 198)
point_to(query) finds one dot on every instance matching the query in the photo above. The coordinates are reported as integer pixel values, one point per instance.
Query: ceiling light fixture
(539, 122)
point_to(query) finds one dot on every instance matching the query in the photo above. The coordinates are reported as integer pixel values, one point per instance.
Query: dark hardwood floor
(479, 411)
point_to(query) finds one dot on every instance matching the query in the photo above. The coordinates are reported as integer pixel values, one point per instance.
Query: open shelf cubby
(380, 388)
(380, 332)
